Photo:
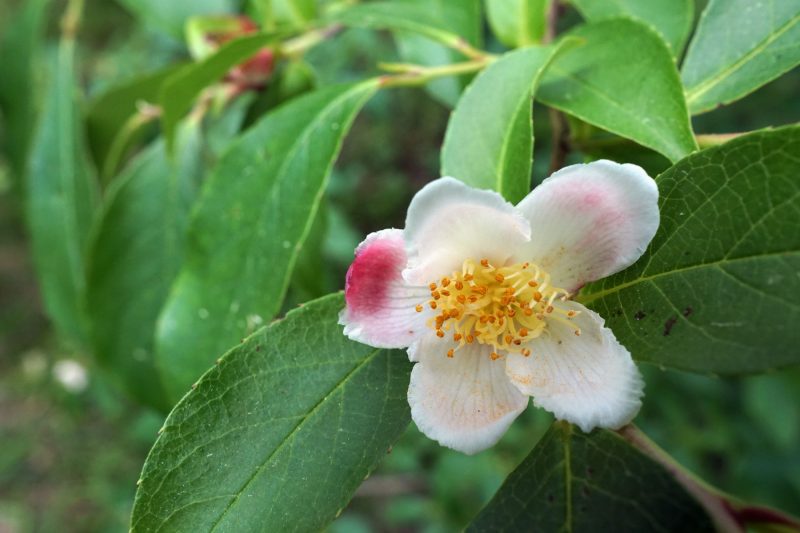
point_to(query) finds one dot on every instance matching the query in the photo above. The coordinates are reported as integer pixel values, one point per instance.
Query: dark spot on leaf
(585, 491)
(589, 471)
(668, 325)
(389, 450)
(550, 498)
(688, 311)
(258, 347)
(639, 315)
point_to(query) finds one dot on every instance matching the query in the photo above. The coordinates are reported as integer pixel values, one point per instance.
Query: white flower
(479, 292)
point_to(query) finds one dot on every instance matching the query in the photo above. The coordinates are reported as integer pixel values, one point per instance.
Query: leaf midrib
(289, 437)
(299, 141)
(589, 298)
(697, 91)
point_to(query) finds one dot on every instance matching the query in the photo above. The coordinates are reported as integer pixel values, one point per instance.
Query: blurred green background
(71, 446)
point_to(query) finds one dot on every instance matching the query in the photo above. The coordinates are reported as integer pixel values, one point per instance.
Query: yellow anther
(450, 353)
(496, 306)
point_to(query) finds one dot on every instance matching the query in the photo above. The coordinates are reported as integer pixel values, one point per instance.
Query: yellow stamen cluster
(503, 307)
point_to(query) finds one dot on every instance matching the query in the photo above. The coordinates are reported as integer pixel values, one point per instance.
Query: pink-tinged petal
(589, 221)
(448, 222)
(381, 306)
(589, 380)
(465, 402)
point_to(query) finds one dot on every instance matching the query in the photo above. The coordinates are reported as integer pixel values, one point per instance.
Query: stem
(299, 45)
(71, 19)
(708, 140)
(558, 123)
(459, 44)
(727, 514)
(414, 75)
(145, 114)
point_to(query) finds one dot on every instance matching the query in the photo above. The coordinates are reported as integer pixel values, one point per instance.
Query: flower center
(504, 307)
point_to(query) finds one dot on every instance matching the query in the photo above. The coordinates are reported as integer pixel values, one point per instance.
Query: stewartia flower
(480, 292)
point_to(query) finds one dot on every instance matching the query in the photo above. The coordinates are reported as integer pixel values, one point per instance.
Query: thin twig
(558, 123)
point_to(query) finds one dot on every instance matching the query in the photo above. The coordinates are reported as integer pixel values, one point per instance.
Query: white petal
(448, 222)
(380, 307)
(465, 402)
(589, 221)
(589, 380)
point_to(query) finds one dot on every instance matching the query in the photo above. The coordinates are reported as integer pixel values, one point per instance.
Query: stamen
(502, 307)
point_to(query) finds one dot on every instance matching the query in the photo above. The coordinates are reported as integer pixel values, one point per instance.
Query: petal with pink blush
(589, 221)
(465, 402)
(589, 380)
(381, 306)
(449, 222)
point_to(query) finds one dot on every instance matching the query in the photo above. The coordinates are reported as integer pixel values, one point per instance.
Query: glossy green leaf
(170, 16)
(716, 290)
(179, 91)
(108, 113)
(19, 53)
(489, 138)
(596, 482)
(671, 18)
(60, 199)
(135, 254)
(623, 80)
(247, 230)
(739, 45)
(421, 27)
(518, 23)
(279, 434)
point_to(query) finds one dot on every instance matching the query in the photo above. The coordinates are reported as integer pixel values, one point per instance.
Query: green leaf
(170, 16)
(715, 291)
(19, 53)
(622, 80)
(180, 90)
(671, 18)
(245, 234)
(426, 32)
(739, 46)
(498, 105)
(60, 199)
(136, 251)
(518, 23)
(108, 113)
(573, 481)
(279, 434)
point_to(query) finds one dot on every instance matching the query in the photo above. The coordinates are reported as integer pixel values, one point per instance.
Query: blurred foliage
(69, 459)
